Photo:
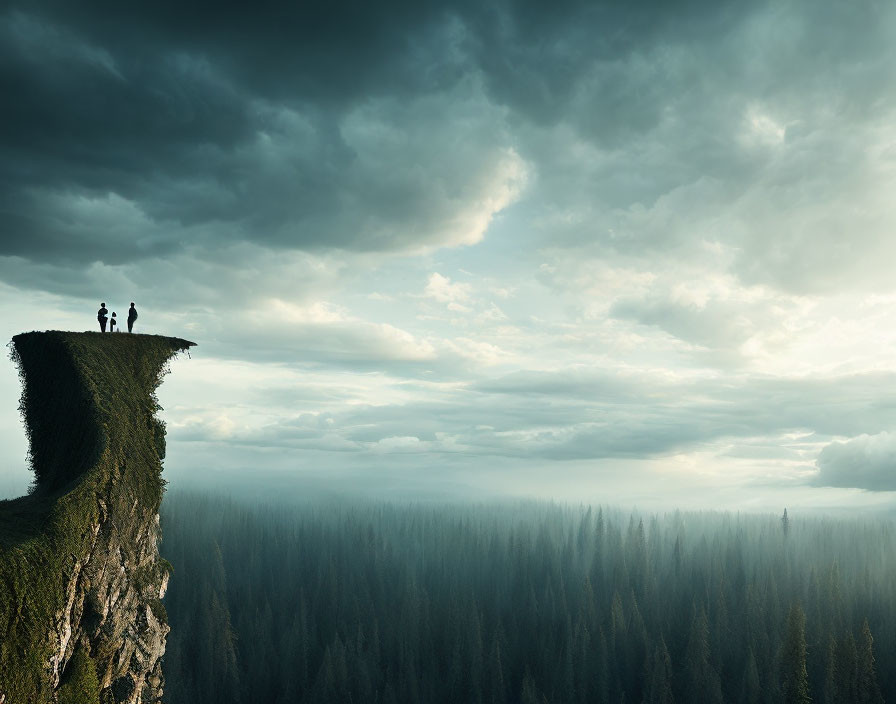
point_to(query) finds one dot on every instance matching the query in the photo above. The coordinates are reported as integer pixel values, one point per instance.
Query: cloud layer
(867, 461)
(567, 233)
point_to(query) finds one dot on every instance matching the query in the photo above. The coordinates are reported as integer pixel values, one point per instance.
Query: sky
(627, 252)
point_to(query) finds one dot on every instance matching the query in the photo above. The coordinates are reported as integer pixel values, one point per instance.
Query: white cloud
(441, 289)
(478, 351)
(762, 128)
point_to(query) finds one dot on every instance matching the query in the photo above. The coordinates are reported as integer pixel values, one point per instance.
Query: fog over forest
(341, 600)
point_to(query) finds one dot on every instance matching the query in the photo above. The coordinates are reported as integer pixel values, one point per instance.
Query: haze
(616, 252)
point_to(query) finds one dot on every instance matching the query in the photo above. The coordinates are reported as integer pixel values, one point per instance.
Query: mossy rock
(89, 406)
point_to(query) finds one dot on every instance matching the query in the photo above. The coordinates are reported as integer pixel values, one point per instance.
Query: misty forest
(359, 601)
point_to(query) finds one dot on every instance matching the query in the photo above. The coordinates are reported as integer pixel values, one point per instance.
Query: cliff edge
(81, 580)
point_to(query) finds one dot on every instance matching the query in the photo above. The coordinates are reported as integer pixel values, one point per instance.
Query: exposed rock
(84, 574)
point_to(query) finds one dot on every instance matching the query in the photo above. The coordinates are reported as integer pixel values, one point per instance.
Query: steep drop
(81, 579)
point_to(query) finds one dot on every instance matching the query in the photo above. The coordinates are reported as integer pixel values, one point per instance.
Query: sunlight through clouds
(520, 246)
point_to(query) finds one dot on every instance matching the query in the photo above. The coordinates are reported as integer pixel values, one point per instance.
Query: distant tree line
(525, 603)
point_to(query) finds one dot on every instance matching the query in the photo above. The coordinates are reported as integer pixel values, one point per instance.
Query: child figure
(112, 323)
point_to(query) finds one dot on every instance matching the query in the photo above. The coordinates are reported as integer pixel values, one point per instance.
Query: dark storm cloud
(213, 116)
(333, 53)
(144, 130)
(130, 130)
(864, 462)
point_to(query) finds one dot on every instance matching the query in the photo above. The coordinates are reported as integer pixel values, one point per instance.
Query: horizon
(631, 255)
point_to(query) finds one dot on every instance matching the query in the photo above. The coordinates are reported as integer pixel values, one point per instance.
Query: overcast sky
(634, 252)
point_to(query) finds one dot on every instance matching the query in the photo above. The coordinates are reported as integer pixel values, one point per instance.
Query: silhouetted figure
(132, 316)
(112, 322)
(101, 316)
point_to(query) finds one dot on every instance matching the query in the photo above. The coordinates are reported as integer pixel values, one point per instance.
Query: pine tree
(529, 693)
(658, 677)
(616, 642)
(475, 656)
(219, 661)
(497, 691)
(869, 691)
(602, 670)
(324, 689)
(831, 674)
(344, 607)
(751, 688)
(637, 650)
(582, 661)
(702, 683)
(794, 678)
(847, 669)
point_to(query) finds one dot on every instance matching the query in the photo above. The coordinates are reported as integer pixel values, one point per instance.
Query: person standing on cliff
(101, 316)
(112, 322)
(132, 316)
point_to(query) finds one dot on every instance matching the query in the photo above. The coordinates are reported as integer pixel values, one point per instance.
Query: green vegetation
(794, 678)
(80, 685)
(532, 603)
(89, 406)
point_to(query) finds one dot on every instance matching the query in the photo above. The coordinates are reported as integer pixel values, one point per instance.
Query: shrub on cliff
(80, 685)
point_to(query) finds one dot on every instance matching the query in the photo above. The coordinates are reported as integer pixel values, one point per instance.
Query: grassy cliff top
(80, 390)
(96, 449)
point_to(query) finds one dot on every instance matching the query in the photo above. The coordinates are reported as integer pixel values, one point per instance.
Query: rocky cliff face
(112, 607)
(81, 579)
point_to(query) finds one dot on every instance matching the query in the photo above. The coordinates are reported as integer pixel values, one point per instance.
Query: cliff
(81, 580)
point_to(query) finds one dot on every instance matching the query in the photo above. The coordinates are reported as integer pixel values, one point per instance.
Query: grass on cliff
(80, 684)
(89, 406)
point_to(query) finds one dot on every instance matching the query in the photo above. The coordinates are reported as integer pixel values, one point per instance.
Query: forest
(362, 601)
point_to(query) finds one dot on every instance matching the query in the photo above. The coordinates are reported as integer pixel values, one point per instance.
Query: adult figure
(132, 316)
(112, 322)
(101, 315)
